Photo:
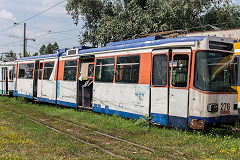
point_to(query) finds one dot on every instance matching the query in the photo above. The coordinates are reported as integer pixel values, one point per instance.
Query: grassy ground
(23, 139)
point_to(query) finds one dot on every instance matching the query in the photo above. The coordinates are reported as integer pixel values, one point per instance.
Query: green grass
(169, 143)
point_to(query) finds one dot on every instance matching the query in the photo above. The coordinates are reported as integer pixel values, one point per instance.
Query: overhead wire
(56, 32)
(15, 24)
(11, 36)
(38, 28)
(45, 34)
(33, 16)
(59, 40)
(11, 43)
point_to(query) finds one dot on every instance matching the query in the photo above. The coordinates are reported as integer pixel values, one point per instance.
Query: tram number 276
(225, 106)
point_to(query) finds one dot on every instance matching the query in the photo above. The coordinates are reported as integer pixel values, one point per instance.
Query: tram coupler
(197, 124)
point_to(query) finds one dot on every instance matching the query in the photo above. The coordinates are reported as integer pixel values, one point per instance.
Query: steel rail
(62, 132)
(107, 135)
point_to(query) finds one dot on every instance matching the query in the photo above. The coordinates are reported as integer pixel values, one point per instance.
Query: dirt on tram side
(41, 131)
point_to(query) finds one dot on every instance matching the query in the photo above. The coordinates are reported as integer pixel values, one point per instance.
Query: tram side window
(180, 70)
(14, 72)
(90, 70)
(22, 69)
(234, 72)
(40, 71)
(11, 74)
(104, 70)
(127, 69)
(70, 70)
(48, 68)
(159, 73)
(4, 69)
(29, 71)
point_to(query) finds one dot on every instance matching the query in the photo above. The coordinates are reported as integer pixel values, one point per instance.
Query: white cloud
(41, 5)
(7, 15)
(54, 20)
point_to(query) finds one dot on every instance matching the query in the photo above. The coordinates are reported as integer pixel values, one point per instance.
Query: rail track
(114, 146)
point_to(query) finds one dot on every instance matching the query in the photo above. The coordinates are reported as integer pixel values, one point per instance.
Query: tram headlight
(212, 107)
(235, 106)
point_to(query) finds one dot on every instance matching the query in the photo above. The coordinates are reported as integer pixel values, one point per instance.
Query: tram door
(35, 79)
(169, 88)
(4, 80)
(160, 86)
(179, 87)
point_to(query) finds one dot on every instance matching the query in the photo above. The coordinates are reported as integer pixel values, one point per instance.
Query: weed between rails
(9, 138)
(216, 143)
(10, 157)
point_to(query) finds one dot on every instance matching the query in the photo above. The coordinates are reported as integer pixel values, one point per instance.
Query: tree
(42, 50)
(10, 56)
(108, 20)
(20, 55)
(27, 54)
(35, 54)
(50, 49)
(55, 47)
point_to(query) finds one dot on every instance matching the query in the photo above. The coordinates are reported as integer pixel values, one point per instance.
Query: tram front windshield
(215, 71)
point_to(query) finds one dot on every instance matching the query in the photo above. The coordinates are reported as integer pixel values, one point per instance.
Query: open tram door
(170, 87)
(85, 82)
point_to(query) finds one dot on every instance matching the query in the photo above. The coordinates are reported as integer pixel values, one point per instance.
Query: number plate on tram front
(225, 108)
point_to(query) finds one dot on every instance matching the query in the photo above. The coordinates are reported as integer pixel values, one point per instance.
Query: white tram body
(46, 83)
(179, 82)
(237, 55)
(6, 78)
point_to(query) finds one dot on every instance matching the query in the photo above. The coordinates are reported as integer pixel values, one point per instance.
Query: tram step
(87, 108)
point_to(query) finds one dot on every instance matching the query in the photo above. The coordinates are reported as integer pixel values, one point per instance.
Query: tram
(181, 82)
(6, 78)
(237, 56)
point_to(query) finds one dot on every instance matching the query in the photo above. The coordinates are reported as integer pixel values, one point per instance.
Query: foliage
(10, 56)
(115, 20)
(49, 49)
(143, 121)
(35, 54)
(55, 47)
(42, 50)
(27, 54)
(218, 143)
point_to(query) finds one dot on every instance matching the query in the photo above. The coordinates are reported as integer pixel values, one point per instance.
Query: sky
(42, 29)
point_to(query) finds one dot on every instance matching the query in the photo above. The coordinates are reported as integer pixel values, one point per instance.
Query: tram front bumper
(200, 122)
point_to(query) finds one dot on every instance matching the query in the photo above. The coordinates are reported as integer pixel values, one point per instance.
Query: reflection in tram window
(104, 70)
(11, 74)
(29, 71)
(48, 68)
(127, 69)
(40, 71)
(70, 70)
(90, 70)
(180, 70)
(159, 73)
(213, 71)
(22, 68)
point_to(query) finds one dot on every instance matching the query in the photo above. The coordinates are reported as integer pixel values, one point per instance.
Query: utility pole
(24, 41)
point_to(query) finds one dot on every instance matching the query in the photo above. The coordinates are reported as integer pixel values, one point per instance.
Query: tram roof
(139, 43)
(60, 51)
(135, 43)
(39, 57)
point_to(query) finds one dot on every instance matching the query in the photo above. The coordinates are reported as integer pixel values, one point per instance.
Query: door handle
(172, 95)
